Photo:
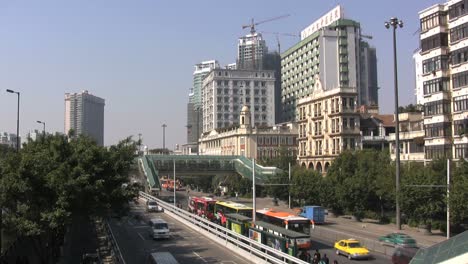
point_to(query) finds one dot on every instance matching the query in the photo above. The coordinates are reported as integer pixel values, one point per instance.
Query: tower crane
(277, 34)
(253, 24)
(254, 37)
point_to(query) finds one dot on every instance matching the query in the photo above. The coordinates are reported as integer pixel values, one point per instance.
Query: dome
(245, 108)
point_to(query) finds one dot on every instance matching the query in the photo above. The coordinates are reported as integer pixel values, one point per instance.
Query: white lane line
(141, 236)
(142, 226)
(204, 260)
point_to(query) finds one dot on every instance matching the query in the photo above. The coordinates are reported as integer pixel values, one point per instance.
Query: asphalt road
(187, 246)
(324, 247)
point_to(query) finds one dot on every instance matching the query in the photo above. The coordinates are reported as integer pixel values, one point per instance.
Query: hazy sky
(139, 54)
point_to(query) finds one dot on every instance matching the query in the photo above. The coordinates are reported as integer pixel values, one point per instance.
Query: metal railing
(242, 245)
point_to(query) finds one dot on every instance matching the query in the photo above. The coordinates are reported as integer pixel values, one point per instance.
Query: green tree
(54, 179)
(423, 204)
(306, 186)
(357, 182)
(459, 194)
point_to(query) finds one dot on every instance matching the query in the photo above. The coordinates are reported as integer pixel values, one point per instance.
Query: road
(324, 247)
(186, 245)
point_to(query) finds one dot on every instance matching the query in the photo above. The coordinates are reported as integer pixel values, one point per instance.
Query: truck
(314, 213)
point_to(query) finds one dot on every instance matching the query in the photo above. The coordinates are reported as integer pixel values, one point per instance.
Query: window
(433, 20)
(461, 151)
(460, 79)
(351, 123)
(345, 123)
(437, 108)
(459, 56)
(460, 126)
(460, 103)
(352, 143)
(439, 151)
(226, 108)
(435, 64)
(439, 40)
(459, 32)
(436, 85)
(457, 9)
(438, 130)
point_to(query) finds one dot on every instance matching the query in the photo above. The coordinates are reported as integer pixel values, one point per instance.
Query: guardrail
(244, 246)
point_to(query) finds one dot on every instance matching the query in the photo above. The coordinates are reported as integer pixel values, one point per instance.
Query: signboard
(330, 17)
(254, 235)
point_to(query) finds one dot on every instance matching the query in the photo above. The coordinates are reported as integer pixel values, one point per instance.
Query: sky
(139, 55)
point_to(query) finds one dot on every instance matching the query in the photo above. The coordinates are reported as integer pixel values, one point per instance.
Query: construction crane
(253, 24)
(277, 34)
(254, 37)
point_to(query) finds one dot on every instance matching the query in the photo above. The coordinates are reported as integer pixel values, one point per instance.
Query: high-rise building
(331, 50)
(194, 114)
(444, 79)
(226, 91)
(368, 87)
(250, 52)
(84, 114)
(9, 139)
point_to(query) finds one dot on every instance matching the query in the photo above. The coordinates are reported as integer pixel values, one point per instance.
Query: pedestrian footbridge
(192, 165)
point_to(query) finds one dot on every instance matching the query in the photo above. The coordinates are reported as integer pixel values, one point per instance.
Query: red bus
(288, 221)
(202, 206)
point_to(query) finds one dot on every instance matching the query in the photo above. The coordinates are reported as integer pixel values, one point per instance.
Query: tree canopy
(54, 178)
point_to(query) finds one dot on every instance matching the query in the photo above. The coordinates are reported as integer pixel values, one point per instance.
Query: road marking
(141, 226)
(204, 260)
(141, 236)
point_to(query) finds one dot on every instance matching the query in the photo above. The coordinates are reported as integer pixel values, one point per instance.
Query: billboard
(330, 17)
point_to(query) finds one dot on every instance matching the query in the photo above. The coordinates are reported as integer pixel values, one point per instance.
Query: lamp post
(164, 136)
(198, 130)
(43, 127)
(395, 23)
(17, 119)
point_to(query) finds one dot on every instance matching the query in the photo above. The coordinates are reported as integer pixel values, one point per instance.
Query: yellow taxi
(351, 248)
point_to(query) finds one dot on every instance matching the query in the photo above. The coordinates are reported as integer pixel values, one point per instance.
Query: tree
(459, 194)
(53, 179)
(306, 186)
(357, 181)
(423, 204)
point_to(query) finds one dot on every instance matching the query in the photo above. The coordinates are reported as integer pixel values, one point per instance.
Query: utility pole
(448, 200)
(254, 203)
(289, 189)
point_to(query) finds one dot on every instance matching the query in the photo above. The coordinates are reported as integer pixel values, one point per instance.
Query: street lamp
(43, 127)
(395, 23)
(17, 119)
(198, 130)
(164, 136)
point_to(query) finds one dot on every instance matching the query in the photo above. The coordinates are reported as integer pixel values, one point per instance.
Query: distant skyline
(140, 55)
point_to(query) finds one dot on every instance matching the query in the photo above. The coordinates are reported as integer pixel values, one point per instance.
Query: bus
(202, 206)
(286, 220)
(227, 207)
(279, 238)
(164, 183)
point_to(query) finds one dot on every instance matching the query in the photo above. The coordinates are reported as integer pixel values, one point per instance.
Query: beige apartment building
(328, 124)
(263, 142)
(411, 137)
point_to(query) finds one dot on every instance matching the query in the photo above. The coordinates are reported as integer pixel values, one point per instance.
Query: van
(161, 258)
(159, 228)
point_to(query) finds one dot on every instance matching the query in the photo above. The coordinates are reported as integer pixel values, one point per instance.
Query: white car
(159, 228)
(152, 206)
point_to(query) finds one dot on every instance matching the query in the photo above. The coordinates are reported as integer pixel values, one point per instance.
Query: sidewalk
(368, 228)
